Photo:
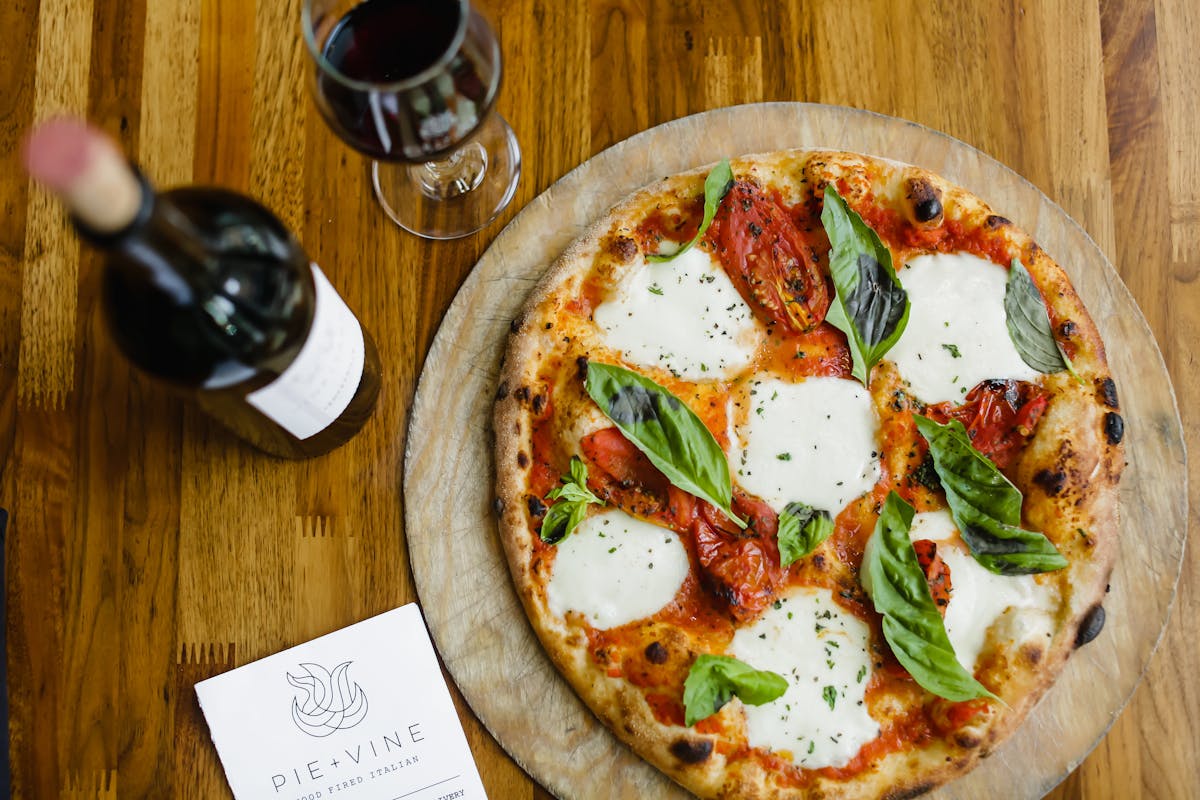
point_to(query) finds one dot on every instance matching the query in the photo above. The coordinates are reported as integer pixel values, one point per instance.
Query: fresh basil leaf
(579, 473)
(985, 505)
(870, 306)
(555, 525)
(570, 504)
(1029, 323)
(801, 529)
(666, 430)
(712, 682)
(896, 584)
(716, 186)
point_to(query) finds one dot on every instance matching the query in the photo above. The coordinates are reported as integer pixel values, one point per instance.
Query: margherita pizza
(806, 471)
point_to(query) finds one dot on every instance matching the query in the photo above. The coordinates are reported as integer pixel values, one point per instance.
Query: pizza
(806, 475)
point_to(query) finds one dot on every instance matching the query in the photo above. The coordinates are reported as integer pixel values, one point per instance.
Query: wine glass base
(458, 195)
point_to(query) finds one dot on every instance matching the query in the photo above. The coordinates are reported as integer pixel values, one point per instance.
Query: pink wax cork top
(59, 151)
(81, 164)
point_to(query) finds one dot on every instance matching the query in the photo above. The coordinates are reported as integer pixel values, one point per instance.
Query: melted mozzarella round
(683, 315)
(615, 569)
(814, 442)
(957, 332)
(822, 718)
(979, 598)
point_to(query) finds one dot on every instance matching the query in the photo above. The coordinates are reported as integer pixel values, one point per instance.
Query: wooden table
(148, 549)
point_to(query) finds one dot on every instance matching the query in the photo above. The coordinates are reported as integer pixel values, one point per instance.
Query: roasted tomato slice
(937, 573)
(621, 474)
(741, 567)
(768, 260)
(999, 415)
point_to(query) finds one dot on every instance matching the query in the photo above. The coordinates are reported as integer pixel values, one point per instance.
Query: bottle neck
(159, 244)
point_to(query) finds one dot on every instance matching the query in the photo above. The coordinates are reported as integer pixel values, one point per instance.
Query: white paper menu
(359, 714)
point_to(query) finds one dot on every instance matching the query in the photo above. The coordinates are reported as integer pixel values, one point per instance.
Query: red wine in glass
(413, 82)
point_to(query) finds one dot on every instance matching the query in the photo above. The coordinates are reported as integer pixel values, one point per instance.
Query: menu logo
(330, 701)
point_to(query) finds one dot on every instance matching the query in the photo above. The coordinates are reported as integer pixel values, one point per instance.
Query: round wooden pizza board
(459, 566)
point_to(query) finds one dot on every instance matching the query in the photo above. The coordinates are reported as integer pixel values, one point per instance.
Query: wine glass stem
(454, 175)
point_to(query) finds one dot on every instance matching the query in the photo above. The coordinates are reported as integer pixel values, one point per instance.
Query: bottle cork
(87, 170)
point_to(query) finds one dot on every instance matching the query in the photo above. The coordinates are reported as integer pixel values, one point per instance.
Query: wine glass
(411, 83)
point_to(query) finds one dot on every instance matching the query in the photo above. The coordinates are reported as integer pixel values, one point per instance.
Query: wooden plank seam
(313, 526)
(207, 653)
(93, 784)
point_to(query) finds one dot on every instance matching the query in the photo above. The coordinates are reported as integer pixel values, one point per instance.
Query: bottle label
(316, 388)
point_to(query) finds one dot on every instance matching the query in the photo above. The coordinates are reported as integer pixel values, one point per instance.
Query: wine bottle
(206, 289)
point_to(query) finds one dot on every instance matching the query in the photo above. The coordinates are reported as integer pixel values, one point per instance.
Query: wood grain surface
(147, 549)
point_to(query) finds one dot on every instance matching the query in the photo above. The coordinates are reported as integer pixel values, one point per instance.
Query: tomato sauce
(708, 401)
(937, 573)
(696, 610)
(952, 236)
(980, 241)
(784, 771)
(666, 710)
(591, 294)
(656, 654)
(960, 714)
(851, 530)
(897, 232)
(911, 730)
(676, 225)
(907, 455)
(543, 475)
(820, 353)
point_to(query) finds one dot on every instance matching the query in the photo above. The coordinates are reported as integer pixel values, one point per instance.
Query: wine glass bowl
(412, 84)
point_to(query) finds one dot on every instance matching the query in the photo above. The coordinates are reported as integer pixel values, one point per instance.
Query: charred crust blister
(522, 460)
(692, 751)
(536, 507)
(1052, 481)
(623, 249)
(1106, 390)
(928, 210)
(521, 394)
(1090, 627)
(926, 200)
(967, 740)
(996, 221)
(909, 793)
(656, 653)
(502, 390)
(1114, 427)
